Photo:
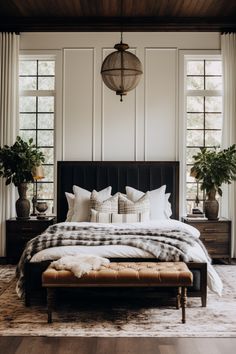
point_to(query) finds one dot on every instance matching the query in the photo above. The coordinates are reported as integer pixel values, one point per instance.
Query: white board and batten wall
(92, 123)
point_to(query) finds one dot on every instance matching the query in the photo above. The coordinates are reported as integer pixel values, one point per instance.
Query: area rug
(124, 319)
(6, 276)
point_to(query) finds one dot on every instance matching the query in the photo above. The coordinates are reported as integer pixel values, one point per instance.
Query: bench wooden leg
(204, 300)
(183, 302)
(178, 298)
(50, 298)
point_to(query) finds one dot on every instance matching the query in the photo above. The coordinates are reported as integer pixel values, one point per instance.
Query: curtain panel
(228, 50)
(9, 59)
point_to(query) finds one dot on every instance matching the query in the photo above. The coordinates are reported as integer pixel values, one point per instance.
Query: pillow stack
(79, 203)
(160, 207)
(102, 207)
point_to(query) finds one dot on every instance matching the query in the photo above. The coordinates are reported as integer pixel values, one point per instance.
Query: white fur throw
(80, 264)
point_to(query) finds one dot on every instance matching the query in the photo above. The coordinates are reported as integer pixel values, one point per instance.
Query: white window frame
(185, 55)
(58, 128)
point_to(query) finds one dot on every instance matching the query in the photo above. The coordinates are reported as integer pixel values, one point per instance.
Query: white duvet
(196, 253)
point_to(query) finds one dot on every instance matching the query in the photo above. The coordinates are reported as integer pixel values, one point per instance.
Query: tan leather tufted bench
(124, 274)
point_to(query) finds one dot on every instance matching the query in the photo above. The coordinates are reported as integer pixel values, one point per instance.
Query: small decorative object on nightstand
(41, 207)
(19, 232)
(215, 235)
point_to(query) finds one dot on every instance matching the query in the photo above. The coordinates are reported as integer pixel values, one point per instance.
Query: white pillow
(82, 202)
(127, 206)
(168, 210)
(70, 200)
(114, 218)
(157, 200)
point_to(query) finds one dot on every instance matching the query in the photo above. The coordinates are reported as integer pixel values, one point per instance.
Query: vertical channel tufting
(118, 180)
(98, 175)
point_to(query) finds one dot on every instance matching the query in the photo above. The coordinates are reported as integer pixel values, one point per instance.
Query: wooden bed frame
(98, 175)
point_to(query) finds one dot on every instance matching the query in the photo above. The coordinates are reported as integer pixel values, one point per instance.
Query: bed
(97, 175)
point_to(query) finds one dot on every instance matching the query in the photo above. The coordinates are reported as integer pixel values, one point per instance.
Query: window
(36, 118)
(203, 87)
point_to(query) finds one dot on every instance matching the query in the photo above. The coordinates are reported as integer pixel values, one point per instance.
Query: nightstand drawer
(212, 227)
(217, 244)
(19, 232)
(216, 238)
(29, 226)
(13, 237)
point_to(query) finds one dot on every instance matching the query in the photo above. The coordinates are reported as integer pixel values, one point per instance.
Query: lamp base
(42, 217)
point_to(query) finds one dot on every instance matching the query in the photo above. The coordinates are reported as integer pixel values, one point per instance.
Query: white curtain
(9, 57)
(228, 49)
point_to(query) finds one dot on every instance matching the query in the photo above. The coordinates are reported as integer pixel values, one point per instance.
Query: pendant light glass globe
(121, 70)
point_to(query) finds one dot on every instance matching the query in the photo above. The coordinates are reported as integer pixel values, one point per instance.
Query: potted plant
(212, 168)
(17, 163)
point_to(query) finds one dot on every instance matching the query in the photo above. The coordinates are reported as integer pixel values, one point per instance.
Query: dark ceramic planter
(211, 206)
(22, 204)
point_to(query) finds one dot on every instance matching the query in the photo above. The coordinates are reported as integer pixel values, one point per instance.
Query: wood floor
(58, 345)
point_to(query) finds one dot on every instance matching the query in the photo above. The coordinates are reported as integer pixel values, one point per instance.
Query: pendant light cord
(121, 17)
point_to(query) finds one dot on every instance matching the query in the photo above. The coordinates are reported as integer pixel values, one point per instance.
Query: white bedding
(118, 251)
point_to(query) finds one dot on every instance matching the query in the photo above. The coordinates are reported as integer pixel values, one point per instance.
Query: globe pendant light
(121, 70)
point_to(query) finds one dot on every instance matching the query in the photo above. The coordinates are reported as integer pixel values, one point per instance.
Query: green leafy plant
(214, 167)
(17, 161)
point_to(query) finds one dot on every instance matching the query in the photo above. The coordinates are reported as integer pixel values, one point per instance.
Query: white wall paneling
(78, 99)
(160, 104)
(96, 125)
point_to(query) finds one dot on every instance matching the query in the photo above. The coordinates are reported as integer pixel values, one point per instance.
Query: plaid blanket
(167, 245)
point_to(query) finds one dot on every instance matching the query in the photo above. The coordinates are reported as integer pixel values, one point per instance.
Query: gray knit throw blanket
(167, 245)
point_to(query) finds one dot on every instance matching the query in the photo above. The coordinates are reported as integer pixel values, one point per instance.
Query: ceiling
(117, 15)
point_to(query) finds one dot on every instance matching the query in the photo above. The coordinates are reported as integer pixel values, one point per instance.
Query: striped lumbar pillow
(100, 217)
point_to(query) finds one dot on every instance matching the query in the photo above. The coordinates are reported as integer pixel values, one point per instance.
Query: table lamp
(38, 174)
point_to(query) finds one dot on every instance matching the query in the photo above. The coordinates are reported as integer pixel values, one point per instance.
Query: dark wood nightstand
(216, 236)
(19, 232)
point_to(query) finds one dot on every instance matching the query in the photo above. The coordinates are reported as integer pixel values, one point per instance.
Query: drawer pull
(26, 229)
(210, 230)
(209, 239)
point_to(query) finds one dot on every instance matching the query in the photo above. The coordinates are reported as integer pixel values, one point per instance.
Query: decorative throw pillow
(127, 206)
(125, 218)
(157, 201)
(70, 200)
(109, 205)
(82, 202)
(100, 217)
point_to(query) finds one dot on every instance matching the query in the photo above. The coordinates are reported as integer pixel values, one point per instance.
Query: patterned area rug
(6, 277)
(132, 318)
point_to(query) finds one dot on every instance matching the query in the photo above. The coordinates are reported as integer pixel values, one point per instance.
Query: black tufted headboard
(100, 174)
